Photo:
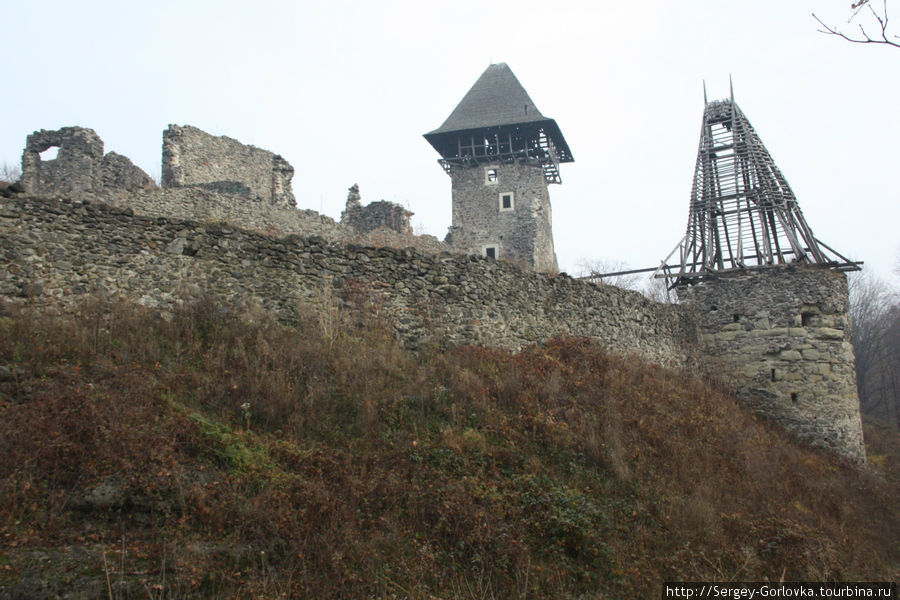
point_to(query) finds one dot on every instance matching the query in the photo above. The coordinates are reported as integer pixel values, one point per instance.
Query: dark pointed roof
(496, 99)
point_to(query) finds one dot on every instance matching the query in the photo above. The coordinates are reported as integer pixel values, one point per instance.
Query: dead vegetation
(212, 454)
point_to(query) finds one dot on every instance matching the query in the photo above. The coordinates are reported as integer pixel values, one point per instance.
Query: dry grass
(215, 455)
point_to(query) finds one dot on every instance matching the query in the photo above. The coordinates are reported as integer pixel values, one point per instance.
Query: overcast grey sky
(344, 91)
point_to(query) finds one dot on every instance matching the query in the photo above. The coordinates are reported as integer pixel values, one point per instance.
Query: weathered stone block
(789, 355)
(828, 333)
(774, 332)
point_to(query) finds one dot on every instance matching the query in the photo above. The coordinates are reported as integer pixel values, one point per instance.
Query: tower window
(491, 176)
(491, 251)
(507, 201)
(794, 397)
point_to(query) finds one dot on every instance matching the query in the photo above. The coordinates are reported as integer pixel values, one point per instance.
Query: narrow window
(490, 252)
(736, 318)
(806, 319)
(506, 201)
(773, 374)
(491, 176)
(794, 397)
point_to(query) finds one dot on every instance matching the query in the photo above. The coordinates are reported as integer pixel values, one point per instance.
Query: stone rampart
(55, 252)
(782, 335)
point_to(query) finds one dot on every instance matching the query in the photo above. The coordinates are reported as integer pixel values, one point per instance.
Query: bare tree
(875, 310)
(10, 173)
(860, 11)
(658, 291)
(593, 269)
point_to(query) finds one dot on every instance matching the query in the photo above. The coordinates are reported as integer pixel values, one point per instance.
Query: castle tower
(769, 299)
(501, 153)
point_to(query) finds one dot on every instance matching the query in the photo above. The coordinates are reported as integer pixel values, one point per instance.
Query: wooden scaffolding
(743, 213)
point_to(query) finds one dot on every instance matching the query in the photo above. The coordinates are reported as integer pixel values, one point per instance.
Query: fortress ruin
(225, 223)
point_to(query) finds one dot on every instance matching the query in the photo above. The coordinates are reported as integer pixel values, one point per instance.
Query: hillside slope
(209, 454)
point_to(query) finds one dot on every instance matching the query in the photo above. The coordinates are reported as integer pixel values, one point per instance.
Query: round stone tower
(769, 299)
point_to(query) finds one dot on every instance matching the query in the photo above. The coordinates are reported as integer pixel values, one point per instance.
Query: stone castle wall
(55, 252)
(783, 337)
(523, 233)
(207, 205)
(192, 157)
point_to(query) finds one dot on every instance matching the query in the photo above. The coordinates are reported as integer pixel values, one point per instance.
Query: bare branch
(881, 19)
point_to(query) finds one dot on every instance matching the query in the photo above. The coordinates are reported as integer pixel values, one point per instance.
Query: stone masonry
(504, 206)
(375, 215)
(783, 335)
(79, 167)
(192, 157)
(82, 172)
(56, 252)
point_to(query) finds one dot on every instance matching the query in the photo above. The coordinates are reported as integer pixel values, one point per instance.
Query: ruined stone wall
(80, 168)
(378, 215)
(205, 205)
(54, 252)
(194, 158)
(522, 233)
(82, 172)
(118, 173)
(783, 336)
(375, 215)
